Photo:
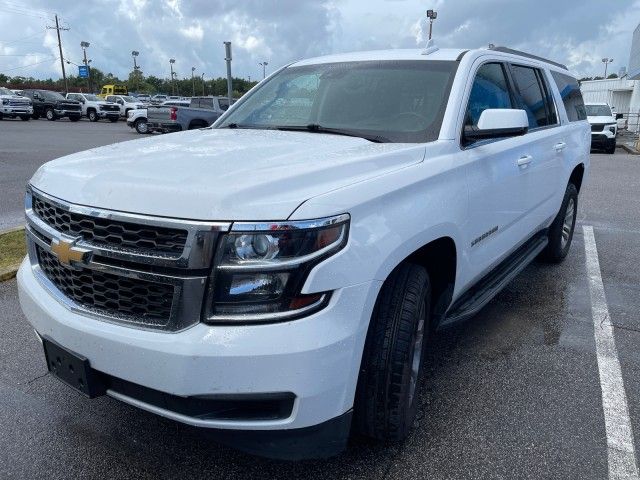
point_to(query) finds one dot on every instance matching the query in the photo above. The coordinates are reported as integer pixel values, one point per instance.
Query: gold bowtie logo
(67, 252)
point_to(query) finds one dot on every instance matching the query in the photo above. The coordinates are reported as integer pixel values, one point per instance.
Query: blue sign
(83, 71)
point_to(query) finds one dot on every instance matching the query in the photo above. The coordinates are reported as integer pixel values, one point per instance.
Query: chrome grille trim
(188, 273)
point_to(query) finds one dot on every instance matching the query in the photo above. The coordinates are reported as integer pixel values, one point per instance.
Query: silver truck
(201, 112)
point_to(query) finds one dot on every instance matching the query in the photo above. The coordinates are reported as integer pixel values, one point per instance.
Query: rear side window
(571, 96)
(490, 90)
(533, 96)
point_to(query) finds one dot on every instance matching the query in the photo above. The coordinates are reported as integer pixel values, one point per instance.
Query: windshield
(598, 110)
(5, 91)
(52, 95)
(128, 99)
(396, 101)
(91, 97)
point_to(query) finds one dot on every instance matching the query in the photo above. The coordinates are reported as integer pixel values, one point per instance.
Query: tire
(74, 118)
(92, 115)
(561, 230)
(25, 118)
(387, 395)
(611, 149)
(113, 119)
(50, 114)
(141, 126)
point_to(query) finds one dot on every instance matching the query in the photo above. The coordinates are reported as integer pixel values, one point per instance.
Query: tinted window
(532, 96)
(396, 101)
(571, 97)
(490, 90)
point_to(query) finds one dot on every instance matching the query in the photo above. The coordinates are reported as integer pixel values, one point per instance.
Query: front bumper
(67, 113)
(15, 111)
(108, 114)
(604, 139)
(316, 358)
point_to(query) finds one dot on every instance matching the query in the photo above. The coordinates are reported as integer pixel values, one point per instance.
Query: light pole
(134, 54)
(84, 46)
(193, 82)
(203, 92)
(606, 62)
(264, 69)
(173, 85)
(431, 15)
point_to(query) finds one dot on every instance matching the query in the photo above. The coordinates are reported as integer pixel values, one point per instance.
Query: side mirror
(619, 116)
(498, 123)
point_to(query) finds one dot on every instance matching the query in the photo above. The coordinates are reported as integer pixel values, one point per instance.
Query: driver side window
(490, 90)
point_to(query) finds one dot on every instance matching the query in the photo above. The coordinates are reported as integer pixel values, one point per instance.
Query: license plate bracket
(72, 369)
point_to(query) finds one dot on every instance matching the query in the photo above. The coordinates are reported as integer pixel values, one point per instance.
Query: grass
(12, 249)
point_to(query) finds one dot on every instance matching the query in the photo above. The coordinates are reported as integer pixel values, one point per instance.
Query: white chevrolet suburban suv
(604, 126)
(275, 278)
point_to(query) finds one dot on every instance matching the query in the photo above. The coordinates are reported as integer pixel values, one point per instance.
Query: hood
(219, 174)
(602, 119)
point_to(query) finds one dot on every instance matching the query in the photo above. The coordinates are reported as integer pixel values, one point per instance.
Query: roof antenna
(430, 47)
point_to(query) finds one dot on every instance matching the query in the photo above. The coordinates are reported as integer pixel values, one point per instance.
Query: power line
(52, 59)
(9, 42)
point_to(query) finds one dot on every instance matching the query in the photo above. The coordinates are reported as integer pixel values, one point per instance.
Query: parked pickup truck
(13, 106)
(53, 105)
(94, 108)
(201, 112)
(125, 103)
(277, 278)
(137, 119)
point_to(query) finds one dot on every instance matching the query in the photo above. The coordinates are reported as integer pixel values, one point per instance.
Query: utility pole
(57, 28)
(264, 69)
(173, 85)
(193, 82)
(134, 54)
(431, 15)
(606, 62)
(227, 49)
(203, 93)
(84, 46)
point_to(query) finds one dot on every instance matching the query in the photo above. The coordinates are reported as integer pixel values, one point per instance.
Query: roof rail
(528, 55)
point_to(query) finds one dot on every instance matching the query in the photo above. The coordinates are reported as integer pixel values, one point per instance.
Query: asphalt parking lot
(513, 393)
(24, 146)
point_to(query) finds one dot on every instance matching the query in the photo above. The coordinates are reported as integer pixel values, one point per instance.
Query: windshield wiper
(316, 128)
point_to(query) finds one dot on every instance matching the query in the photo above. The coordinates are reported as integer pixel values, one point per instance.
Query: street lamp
(431, 15)
(173, 85)
(134, 54)
(193, 82)
(84, 46)
(264, 68)
(606, 62)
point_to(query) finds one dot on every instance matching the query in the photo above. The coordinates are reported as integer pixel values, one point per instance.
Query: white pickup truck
(14, 106)
(94, 108)
(125, 103)
(276, 278)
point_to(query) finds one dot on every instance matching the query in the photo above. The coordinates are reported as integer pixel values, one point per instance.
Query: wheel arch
(577, 175)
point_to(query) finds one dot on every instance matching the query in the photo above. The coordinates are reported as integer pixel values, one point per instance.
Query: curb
(628, 149)
(10, 272)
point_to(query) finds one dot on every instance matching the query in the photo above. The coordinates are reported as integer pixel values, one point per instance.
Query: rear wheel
(387, 398)
(141, 126)
(561, 230)
(50, 114)
(93, 116)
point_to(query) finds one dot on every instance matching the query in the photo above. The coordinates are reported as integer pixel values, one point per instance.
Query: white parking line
(620, 448)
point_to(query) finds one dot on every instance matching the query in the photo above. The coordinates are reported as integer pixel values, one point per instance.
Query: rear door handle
(524, 160)
(559, 146)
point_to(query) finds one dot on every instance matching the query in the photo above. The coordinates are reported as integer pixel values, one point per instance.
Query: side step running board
(472, 301)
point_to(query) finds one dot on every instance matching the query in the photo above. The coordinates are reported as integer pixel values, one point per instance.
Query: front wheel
(561, 230)
(50, 114)
(388, 389)
(93, 116)
(141, 126)
(611, 148)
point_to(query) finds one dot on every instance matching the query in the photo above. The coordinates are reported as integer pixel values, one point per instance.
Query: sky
(578, 33)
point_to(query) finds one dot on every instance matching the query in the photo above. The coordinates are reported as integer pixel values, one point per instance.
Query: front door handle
(559, 146)
(524, 160)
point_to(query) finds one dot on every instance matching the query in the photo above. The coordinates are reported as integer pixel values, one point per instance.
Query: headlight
(261, 269)
(5, 102)
(612, 127)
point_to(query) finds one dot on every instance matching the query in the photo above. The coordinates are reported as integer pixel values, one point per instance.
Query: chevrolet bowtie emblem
(67, 252)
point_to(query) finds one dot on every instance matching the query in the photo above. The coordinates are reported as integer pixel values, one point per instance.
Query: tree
(612, 75)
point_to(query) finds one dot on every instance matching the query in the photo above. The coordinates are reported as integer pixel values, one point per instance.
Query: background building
(634, 57)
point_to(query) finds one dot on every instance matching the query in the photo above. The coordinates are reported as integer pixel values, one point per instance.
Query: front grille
(111, 233)
(110, 108)
(19, 103)
(140, 301)
(69, 106)
(597, 127)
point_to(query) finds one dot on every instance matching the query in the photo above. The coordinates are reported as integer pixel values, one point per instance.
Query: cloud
(576, 32)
